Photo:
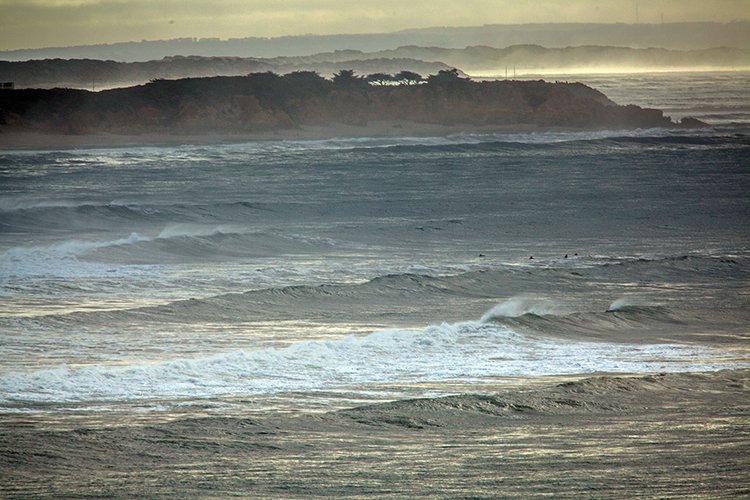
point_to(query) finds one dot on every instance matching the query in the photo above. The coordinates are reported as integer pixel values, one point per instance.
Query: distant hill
(264, 102)
(485, 61)
(477, 61)
(676, 36)
(95, 74)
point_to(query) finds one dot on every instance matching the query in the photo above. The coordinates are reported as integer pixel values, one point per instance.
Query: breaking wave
(35, 215)
(173, 243)
(467, 351)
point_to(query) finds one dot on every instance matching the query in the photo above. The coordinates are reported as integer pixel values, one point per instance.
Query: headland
(304, 105)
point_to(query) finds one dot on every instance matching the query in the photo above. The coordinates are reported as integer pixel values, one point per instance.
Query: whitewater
(320, 274)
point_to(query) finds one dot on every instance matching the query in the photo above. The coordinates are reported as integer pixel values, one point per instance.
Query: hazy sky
(46, 23)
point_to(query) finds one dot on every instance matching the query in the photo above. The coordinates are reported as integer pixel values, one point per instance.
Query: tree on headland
(408, 78)
(446, 77)
(307, 82)
(346, 78)
(379, 79)
(305, 76)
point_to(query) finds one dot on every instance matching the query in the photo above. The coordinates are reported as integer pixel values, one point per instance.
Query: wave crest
(468, 351)
(520, 306)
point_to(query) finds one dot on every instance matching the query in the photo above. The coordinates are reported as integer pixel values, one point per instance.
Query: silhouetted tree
(306, 82)
(264, 86)
(445, 77)
(408, 78)
(266, 81)
(347, 79)
(379, 79)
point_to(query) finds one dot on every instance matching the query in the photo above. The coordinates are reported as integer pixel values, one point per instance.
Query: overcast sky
(49, 23)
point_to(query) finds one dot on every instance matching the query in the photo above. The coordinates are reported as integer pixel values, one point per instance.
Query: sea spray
(518, 306)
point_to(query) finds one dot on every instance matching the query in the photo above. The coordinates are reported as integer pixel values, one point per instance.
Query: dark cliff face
(264, 102)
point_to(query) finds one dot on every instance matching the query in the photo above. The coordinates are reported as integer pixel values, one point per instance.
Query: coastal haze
(388, 262)
(55, 23)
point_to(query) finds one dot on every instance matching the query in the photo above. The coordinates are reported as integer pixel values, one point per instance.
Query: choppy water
(719, 98)
(281, 273)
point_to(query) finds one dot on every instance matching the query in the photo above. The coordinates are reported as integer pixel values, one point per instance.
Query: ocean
(148, 283)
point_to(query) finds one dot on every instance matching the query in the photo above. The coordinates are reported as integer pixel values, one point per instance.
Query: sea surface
(150, 282)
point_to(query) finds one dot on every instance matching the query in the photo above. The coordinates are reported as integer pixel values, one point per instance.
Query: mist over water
(350, 269)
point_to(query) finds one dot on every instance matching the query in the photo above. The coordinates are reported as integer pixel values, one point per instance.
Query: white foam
(58, 259)
(69, 247)
(466, 351)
